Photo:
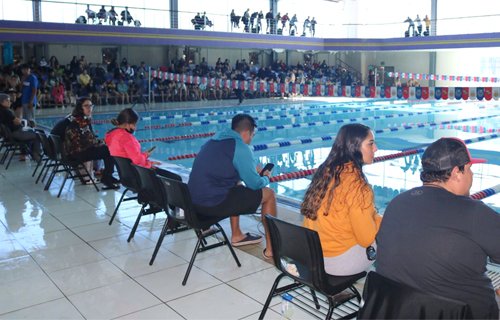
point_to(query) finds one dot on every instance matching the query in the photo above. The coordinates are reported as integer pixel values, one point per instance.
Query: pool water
(299, 136)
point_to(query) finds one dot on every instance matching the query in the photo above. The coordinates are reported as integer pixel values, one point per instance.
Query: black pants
(97, 153)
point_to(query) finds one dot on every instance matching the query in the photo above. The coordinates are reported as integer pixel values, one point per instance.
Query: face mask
(131, 131)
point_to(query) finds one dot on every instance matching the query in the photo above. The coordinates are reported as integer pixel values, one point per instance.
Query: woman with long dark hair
(81, 143)
(339, 202)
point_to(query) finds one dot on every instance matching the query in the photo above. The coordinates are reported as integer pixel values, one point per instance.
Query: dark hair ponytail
(126, 116)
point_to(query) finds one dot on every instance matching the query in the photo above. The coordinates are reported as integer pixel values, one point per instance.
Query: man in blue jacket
(215, 181)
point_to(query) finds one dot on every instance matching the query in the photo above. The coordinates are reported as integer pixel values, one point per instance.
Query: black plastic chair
(150, 195)
(178, 196)
(171, 225)
(12, 146)
(72, 168)
(129, 178)
(299, 246)
(388, 299)
(50, 158)
(44, 159)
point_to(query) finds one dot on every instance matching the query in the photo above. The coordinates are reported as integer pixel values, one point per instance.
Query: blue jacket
(221, 163)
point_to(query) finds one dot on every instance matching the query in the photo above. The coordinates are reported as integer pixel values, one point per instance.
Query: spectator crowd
(60, 85)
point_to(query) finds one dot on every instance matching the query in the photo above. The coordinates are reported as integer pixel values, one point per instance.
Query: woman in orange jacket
(339, 203)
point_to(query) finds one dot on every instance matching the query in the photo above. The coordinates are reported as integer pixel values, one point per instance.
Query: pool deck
(59, 258)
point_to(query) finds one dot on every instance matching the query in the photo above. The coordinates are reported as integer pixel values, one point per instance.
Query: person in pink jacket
(122, 142)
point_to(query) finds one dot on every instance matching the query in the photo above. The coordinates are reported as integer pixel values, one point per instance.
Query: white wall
(468, 62)
(402, 61)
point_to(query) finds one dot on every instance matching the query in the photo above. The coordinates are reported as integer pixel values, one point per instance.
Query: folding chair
(68, 166)
(12, 146)
(43, 157)
(387, 299)
(177, 195)
(151, 193)
(298, 248)
(129, 178)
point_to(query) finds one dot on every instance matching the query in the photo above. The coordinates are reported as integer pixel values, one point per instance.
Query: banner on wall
(438, 93)
(479, 93)
(418, 93)
(425, 93)
(445, 93)
(451, 93)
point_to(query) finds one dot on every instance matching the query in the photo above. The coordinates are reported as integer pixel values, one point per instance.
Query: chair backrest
(178, 196)
(296, 248)
(388, 299)
(129, 177)
(150, 186)
(57, 144)
(5, 132)
(47, 146)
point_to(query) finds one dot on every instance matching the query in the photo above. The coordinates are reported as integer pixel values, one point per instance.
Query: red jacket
(123, 144)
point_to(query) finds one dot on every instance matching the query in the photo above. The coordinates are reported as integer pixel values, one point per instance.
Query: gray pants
(29, 136)
(350, 262)
(28, 113)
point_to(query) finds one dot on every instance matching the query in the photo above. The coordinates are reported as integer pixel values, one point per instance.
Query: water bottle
(287, 306)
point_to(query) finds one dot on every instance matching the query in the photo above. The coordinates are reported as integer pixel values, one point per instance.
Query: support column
(433, 55)
(174, 14)
(37, 10)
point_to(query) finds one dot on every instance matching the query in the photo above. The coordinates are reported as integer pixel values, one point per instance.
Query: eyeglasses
(91, 106)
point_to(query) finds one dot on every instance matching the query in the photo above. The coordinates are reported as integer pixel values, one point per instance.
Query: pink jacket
(123, 144)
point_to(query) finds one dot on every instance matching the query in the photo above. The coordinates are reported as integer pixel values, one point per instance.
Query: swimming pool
(298, 136)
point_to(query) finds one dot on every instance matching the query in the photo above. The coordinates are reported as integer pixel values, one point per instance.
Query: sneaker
(249, 239)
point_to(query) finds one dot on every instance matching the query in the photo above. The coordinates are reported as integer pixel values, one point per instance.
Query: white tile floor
(59, 258)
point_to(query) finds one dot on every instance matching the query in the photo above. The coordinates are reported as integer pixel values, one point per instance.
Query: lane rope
(282, 144)
(308, 172)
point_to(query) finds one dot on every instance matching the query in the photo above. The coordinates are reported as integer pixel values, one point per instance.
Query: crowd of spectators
(103, 16)
(252, 23)
(60, 85)
(417, 31)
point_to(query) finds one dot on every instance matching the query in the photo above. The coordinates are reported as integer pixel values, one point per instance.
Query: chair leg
(270, 296)
(136, 224)
(159, 242)
(331, 306)
(44, 168)
(51, 177)
(38, 164)
(62, 185)
(117, 207)
(228, 243)
(91, 178)
(191, 262)
(10, 159)
(315, 299)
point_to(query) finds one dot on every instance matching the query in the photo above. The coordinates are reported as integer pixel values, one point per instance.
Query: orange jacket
(352, 218)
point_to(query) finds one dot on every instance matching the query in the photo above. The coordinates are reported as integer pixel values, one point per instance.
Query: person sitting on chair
(339, 203)
(215, 181)
(126, 16)
(436, 239)
(91, 15)
(9, 119)
(112, 16)
(122, 142)
(102, 15)
(81, 143)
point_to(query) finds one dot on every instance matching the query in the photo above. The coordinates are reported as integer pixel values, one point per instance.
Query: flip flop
(249, 239)
(265, 256)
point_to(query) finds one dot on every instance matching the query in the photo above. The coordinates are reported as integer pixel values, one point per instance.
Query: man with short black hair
(437, 239)
(29, 92)
(215, 180)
